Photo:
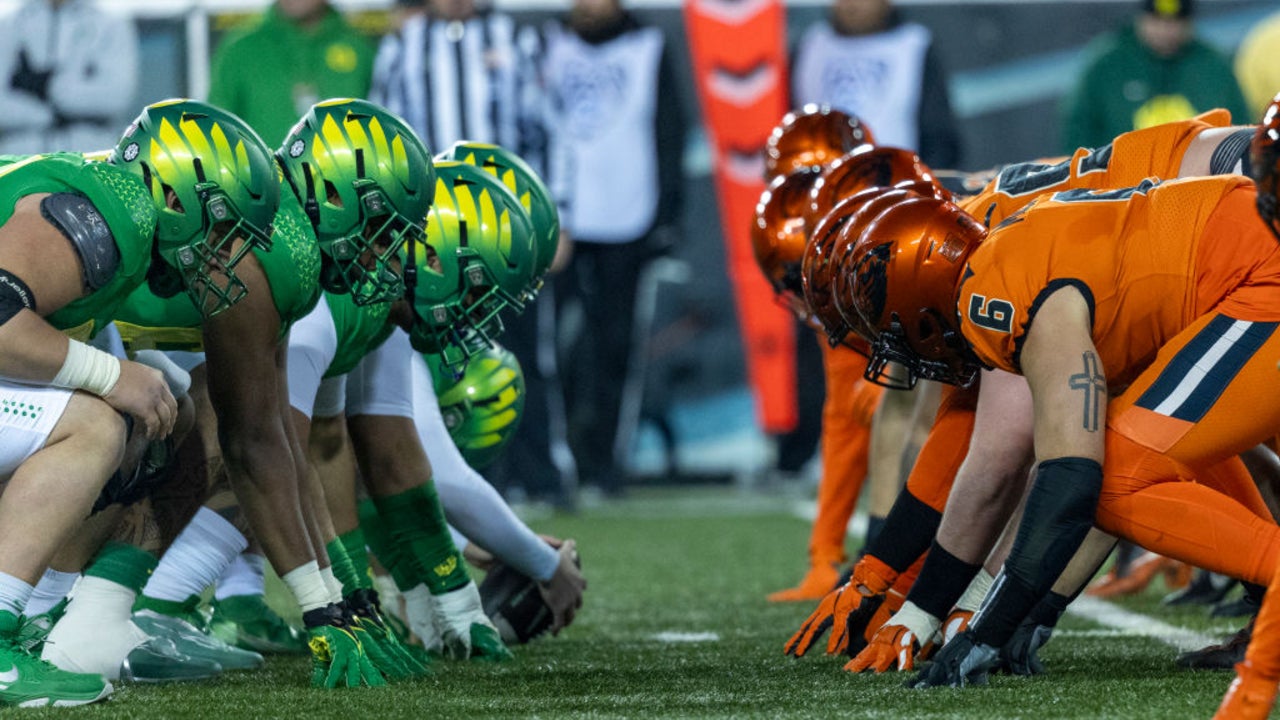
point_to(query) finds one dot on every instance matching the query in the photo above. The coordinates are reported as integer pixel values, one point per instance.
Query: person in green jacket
(1151, 71)
(315, 54)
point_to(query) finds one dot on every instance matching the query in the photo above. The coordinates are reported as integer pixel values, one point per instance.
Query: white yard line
(1117, 618)
(685, 637)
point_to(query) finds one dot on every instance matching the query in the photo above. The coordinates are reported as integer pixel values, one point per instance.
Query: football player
(1252, 694)
(993, 472)
(79, 236)
(1097, 340)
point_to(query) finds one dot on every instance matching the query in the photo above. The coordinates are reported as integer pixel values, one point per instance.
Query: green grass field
(698, 563)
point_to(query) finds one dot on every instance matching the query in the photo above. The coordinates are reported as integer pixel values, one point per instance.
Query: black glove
(29, 80)
(1020, 656)
(962, 662)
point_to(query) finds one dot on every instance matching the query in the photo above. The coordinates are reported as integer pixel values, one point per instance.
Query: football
(512, 601)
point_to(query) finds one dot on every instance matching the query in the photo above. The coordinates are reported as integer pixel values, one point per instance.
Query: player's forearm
(265, 481)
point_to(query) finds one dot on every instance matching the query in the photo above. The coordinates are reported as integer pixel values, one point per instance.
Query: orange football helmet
(778, 231)
(903, 273)
(865, 167)
(813, 135)
(1264, 158)
(818, 267)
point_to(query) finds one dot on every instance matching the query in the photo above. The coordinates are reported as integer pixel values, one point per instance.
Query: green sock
(124, 564)
(403, 570)
(416, 522)
(353, 541)
(342, 568)
(174, 608)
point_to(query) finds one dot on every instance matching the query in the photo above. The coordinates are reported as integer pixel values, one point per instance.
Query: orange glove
(894, 647)
(1249, 697)
(845, 610)
(892, 603)
(815, 584)
(956, 623)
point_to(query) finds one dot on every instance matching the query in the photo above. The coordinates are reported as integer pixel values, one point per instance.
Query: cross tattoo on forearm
(1094, 386)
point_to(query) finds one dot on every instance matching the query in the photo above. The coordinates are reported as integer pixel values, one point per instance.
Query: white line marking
(686, 637)
(1117, 618)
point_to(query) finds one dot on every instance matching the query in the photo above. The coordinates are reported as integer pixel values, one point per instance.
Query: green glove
(487, 645)
(464, 628)
(377, 638)
(337, 660)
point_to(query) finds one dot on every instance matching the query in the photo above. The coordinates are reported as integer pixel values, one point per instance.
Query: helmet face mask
(474, 260)
(365, 181)
(1264, 157)
(212, 183)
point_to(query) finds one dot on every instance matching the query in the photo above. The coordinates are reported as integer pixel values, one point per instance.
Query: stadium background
(1010, 63)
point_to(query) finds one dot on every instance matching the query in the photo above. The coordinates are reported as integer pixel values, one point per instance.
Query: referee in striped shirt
(456, 71)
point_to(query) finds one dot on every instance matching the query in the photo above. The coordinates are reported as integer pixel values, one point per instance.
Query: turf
(695, 563)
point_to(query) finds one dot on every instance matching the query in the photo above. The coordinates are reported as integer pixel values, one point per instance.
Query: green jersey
(292, 267)
(360, 330)
(306, 65)
(125, 205)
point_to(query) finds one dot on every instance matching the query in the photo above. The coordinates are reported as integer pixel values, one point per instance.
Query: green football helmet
(483, 407)
(475, 259)
(516, 174)
(365, 180)
(212, 180)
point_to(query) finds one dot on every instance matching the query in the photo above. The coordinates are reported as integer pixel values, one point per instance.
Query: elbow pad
(81, 223)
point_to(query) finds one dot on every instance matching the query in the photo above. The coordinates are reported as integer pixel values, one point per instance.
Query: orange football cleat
(821, 579)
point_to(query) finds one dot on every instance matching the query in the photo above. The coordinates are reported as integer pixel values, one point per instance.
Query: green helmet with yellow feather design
(366, 182)
(212, 180)
(520, 179)
(483, 407)
(475, 259)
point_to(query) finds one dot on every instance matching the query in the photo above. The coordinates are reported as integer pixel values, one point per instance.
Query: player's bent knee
(89, 419)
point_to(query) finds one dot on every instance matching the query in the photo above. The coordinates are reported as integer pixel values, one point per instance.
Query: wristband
(307, 586)
(87, 368)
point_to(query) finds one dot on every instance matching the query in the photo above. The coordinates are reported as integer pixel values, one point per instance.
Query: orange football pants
(846, 437)
(1171, 480)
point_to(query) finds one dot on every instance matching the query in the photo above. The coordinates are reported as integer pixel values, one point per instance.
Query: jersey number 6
(994, 314)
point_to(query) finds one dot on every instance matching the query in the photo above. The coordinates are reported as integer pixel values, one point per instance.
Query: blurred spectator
(615, 110)
(300, 52)
(1258, 66)
(1150, 71)
(865, 60)
(68, 77)
(456, 72)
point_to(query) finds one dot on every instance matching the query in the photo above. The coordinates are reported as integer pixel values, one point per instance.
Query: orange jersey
(1135, 254)
(1154, 152)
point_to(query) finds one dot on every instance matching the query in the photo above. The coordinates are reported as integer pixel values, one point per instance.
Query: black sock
(942, 581)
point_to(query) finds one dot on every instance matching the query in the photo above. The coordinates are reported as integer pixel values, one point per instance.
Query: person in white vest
(613, 110)
(867, 61)
(68, 77)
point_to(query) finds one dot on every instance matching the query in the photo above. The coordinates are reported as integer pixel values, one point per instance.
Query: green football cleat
(27, 681)
(35, 629)
(246, 621)
(193, 643)
(158, 661)
(187, 610)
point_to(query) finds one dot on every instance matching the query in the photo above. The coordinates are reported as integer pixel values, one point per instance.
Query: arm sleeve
(939, 137)
(670, 124)
(101, 79)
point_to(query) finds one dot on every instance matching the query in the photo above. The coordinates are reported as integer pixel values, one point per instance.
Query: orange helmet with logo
(778, 231)
(903, 272)
(818, 265)
(1264, 157)
(812, 135)
(865, 167)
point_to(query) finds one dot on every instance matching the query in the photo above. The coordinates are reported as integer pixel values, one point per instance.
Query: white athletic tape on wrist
(308, 586)
(917, 621)
(973, 595)
(331, 581)
(87, 368)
